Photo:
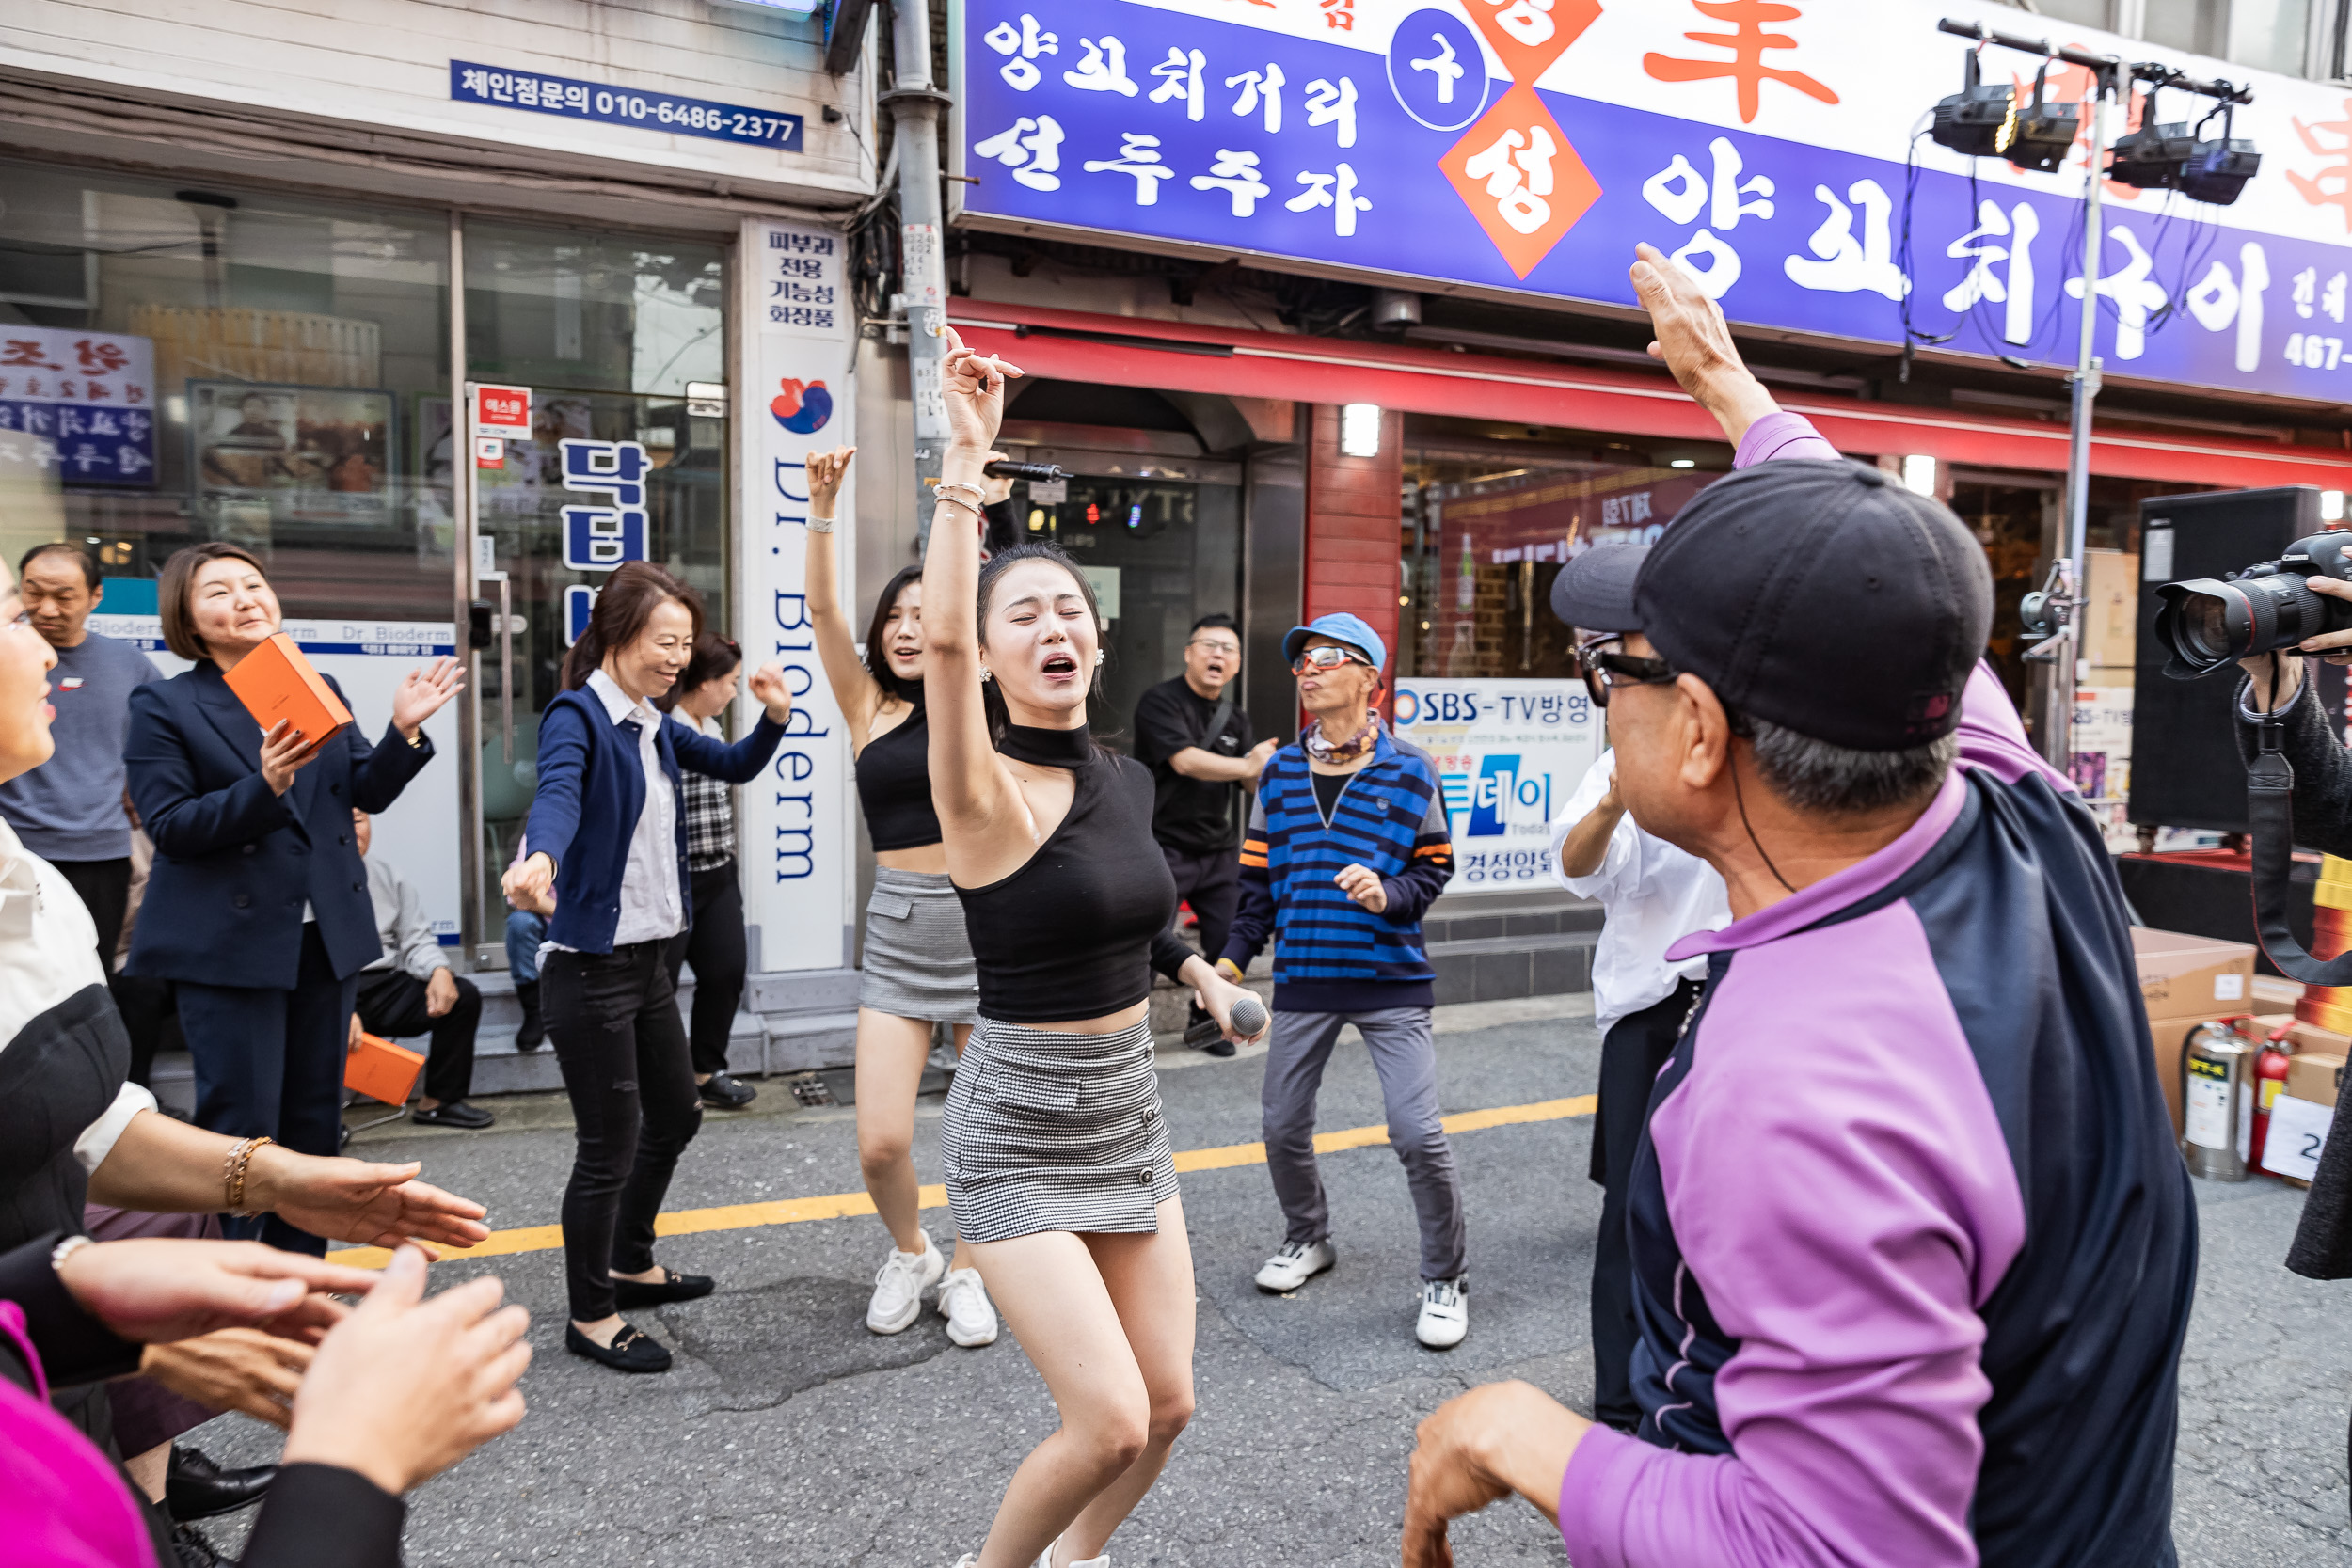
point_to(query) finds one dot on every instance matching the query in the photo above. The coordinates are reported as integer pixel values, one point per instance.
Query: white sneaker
(963, 1302)
(1296, 1264)
(1444, 1313)
(1045, 1559)
(898, 1287)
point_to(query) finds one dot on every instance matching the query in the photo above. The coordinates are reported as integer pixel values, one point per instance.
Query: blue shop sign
(1415, 145)
(507, 87)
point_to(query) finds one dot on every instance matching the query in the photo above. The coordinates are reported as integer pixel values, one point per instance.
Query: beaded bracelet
(232, 1176)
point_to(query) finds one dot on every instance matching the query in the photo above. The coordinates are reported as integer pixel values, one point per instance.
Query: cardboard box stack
(2329, 1006)
(2101, 762)
(2185, 981)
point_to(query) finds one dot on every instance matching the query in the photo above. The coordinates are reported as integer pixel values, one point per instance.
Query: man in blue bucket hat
(1346, 846)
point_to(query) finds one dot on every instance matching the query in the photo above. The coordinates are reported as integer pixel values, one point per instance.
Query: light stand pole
(2062, 598)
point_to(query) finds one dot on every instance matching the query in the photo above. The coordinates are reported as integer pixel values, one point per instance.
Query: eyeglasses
(1215, 645)
(1325, 657)
(1604, 667)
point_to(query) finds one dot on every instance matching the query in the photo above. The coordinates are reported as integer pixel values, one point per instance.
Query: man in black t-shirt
(1196, 740)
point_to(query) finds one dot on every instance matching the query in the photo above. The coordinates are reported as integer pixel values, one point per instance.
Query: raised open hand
(421, 693)
(1694, 341)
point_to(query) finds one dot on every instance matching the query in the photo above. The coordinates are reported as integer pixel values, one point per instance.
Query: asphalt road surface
(788, 1435)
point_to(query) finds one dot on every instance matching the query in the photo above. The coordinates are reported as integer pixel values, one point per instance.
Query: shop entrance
(610, 334)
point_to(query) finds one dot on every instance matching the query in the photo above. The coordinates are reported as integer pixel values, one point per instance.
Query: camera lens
(2205, 625)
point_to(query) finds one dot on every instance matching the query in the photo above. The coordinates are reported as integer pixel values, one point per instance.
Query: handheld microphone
(1249, 1019)
(1005, 468)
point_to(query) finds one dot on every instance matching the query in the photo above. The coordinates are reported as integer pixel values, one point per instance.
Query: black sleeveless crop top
(894, 785)
(1077, 931)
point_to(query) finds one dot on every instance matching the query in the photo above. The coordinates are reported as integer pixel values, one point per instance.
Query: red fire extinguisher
(2270, 1081)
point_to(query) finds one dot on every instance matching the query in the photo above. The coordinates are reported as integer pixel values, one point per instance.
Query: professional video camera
(2206, 623)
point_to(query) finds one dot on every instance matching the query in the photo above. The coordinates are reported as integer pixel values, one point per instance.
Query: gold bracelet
(232, 1176)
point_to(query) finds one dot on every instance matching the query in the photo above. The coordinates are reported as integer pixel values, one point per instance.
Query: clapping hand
(421, 693)
(405, 1388)
(157, 1289)
(360, 1200)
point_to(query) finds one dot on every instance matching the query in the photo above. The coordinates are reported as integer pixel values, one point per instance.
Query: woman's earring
(1098, 658)
(984, 674)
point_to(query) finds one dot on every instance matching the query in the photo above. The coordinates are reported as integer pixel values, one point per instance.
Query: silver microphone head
(1249, 1019)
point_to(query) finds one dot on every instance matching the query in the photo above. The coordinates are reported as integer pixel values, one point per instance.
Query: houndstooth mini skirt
(918, 960)
(1048, 1131)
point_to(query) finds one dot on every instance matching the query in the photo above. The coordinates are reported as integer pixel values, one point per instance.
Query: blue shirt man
(1346, 847)
(69, 811)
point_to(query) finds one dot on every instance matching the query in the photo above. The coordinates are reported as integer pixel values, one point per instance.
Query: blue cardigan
(234, 862)
(592, 789)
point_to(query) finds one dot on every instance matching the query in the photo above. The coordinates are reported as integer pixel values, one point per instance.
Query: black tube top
(1077, 932)
(894, 785)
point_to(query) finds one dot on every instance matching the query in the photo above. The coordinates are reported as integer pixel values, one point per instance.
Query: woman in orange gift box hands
(256, 910)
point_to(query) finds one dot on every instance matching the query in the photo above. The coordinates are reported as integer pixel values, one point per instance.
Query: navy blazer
(234, 862)
(591, 788)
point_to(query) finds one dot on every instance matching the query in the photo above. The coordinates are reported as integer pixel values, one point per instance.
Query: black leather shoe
(726, 1093)
(674, 1286)
(189, 1549)
(1203, 1035)
(196, 1488)
(533, 1033)
(632, 1350)
(456, 1113)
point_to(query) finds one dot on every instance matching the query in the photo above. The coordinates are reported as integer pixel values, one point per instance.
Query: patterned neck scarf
(1356, 745)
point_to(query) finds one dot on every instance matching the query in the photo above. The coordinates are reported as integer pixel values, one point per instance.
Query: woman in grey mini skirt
(918, 968)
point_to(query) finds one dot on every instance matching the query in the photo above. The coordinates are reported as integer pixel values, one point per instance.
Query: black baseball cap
(1816, 595)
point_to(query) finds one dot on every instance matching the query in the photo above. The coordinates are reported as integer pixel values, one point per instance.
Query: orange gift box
(275, 682)
(381, 1071)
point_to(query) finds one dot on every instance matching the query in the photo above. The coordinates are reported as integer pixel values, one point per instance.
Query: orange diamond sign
(1522, 179)
(1528, 34)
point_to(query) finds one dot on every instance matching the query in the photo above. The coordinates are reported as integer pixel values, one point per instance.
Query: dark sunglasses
(1325, 657)
(1604, 665)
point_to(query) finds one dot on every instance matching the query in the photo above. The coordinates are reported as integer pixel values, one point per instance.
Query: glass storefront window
(605, 331)
(1490, 515)
(215, 363)
(1160, 553)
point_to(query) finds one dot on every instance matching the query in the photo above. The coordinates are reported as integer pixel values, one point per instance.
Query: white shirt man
(1652, 894)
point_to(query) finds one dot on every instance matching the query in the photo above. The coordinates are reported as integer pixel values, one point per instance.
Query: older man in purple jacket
(1914, 1252)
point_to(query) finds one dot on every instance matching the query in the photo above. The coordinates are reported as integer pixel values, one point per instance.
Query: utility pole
(914, 106)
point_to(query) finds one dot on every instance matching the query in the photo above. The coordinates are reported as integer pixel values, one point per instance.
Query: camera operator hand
(2278, 677)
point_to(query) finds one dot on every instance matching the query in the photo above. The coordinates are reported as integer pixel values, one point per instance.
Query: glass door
(611, 334)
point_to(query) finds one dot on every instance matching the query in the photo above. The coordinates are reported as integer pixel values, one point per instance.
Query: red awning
(1141, 352)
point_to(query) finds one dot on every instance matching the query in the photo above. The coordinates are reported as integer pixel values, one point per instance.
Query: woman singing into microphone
(1056, 1160)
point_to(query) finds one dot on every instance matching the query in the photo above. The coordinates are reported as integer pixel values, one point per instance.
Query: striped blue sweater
(1331, 952)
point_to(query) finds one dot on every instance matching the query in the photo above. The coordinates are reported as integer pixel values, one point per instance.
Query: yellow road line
(836, 1206)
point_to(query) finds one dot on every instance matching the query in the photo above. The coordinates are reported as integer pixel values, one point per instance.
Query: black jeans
(613, 1019)
(392, 1003)
(1632, 1056)
(1211, 883)
(104, 887)
(714, 945)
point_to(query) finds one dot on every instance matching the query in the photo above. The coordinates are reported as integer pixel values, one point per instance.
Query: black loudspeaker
(2186, 768)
